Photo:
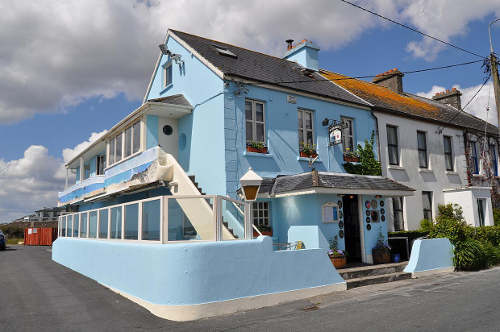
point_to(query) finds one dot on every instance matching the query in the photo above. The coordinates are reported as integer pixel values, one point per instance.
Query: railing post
(248, 221)
(218, 218)
(164, 220)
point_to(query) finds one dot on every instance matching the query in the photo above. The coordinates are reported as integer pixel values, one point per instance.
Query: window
(261, 215)
(167, 74)
(255, 121)
(83, 227)
(494, 161)
(448, 153)
(422, 149)
(348, 135)
(93, 224)
(70, 226)
(116, 223)
(392, 145)
(474, 158)
(103, 224)
(306, 128)
(397, 209)
(480, 211)
(63, 230)
(131, 137)
(76, 225)
(100, 165)
(427, 204)
(330, 212)
(151, 220)
(131, 221)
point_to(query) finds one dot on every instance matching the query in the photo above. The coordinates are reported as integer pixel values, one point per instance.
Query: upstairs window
(100, 165)
(255, 121)
(125, 144)
(494, 161)
(392, 145)
(261, 218)
(427, 204)
(422, 149)
(167, 74)
(474, 158)
(448, 153)
(348, 134)
(306, 128)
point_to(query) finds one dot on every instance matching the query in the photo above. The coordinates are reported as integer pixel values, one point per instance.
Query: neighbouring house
(430, 145)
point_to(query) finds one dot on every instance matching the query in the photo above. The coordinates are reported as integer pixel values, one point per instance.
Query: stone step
(371, 270)
(377, 279)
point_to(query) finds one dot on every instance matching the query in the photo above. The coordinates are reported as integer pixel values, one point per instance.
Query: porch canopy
(332, 183)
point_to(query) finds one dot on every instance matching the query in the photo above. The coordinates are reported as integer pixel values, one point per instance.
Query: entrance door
(351, 227)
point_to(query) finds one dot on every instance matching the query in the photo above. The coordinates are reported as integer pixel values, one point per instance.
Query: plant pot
(308, 155)
(257, 150)
(351, 159)
(338, 262)
(381, 256)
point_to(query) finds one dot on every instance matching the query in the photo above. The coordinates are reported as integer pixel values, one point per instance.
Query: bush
(426, 225)
(496, 217)
(470, 255)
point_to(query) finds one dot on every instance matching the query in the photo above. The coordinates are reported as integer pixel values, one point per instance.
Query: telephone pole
(494, 73)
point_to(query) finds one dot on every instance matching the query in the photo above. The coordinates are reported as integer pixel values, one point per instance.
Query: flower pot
(308, 155)
(338, 262)
(381, 256)
(257, 150)
(351, 159)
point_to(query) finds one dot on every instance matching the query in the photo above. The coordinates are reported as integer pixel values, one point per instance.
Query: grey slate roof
(178, 99)
(304, 181)
(265, 68)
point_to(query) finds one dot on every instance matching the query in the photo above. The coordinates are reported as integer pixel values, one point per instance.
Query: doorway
(352, 232)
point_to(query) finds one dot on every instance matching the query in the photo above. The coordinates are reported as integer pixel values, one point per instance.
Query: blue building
(211, 111)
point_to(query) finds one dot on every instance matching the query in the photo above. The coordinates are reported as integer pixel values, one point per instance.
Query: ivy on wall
(368, 164)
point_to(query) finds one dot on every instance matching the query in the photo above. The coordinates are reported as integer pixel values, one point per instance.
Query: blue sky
(72, 72)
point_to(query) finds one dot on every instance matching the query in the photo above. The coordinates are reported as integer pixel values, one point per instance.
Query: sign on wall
(330, 212)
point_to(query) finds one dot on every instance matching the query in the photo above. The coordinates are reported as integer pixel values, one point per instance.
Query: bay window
(125, 143)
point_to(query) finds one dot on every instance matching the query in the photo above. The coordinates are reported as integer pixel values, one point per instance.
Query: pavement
(37, 294)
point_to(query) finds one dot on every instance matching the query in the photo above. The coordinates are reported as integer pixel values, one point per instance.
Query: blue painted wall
(151, 131)
(431, 255)
(201, 134)
(372, 235)
(282, 136)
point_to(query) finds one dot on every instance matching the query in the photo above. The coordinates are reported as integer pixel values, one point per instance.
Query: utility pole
(494, 73)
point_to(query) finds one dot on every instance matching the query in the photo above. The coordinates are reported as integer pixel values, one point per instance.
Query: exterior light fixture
(250, 184)
(164, 50)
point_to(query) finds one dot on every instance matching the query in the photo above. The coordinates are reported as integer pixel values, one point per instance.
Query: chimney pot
(289, 44)
(449, 97)
(391, 79)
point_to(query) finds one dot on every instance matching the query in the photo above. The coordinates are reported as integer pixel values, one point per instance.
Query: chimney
(449, 97)
(305, 53)
(391, 79)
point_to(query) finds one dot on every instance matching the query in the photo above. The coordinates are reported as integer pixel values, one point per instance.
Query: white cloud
(478, 105)
(69, 153)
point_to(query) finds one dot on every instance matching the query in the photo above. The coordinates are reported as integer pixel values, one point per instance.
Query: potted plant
(350, 156)
(264, 230)
(381, 253)
(308, 151)
(337, 256)
(257, 147)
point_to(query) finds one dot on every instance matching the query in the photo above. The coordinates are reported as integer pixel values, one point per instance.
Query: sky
(72, 69)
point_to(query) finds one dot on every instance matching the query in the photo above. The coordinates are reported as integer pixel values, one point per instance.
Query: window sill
(425, 170)
(165, 89)
(401, 168)
(123, 160)
(256, 154)
(299, 158)
(451, 173)
(478, 176)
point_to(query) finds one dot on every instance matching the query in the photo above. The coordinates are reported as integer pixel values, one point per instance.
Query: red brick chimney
(449, 97)
(391, 79)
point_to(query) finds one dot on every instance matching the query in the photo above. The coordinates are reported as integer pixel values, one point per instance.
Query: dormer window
(167, 74)
(224, 51)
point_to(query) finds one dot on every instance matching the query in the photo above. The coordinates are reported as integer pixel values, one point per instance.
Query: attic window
(224, 51)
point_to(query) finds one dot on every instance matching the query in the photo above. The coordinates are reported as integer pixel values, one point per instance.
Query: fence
(163, 219)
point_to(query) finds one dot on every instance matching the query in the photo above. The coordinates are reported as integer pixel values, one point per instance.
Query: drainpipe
(378, 139)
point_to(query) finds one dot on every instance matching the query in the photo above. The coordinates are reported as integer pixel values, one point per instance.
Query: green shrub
(496, 217)
(470, 255)
(426, 225)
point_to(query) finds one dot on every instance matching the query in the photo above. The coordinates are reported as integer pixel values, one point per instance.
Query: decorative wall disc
(382, 218)
(374, 204)
(374, 216)
(368, 227)
(382, 203)
(339, 203)
(341, 224)
(368, 219)
(382, 211)
(341, 214)
(341, 234)
(367, 204)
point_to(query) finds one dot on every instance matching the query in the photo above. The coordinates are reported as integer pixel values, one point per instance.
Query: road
(37, 294)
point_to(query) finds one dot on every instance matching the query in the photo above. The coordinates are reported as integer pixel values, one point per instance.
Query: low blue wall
(198, 272)
(430, 255)
(311, 236)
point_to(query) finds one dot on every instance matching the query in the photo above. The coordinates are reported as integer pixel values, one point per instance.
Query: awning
(332, 183)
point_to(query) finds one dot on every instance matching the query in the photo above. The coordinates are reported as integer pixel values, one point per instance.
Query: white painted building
(422, 145)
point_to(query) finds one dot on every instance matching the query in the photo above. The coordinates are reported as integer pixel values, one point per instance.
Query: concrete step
(377, 279)
(371, 270)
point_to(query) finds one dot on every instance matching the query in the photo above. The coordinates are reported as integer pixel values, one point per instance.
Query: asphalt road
(37, 294)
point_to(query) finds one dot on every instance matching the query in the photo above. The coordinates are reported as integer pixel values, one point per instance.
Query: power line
(413, 29)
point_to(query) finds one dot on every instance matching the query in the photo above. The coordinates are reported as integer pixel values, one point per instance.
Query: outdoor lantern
(250, 184)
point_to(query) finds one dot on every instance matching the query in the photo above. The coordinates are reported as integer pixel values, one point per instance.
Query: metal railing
(161, 219)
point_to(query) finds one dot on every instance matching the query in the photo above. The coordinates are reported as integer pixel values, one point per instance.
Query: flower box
(381, 255)
(308, 155)
(267, 232)
(351, 159)
(339, 262)
(257, 150)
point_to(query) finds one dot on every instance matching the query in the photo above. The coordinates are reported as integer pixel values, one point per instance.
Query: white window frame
(398, 152)
(452, 155)
(254, 120)
(325, 217)
(166, 66)
(266, 205)
(103, 163)
(303, 129)
(427, 156)
(350, 121)
(123, 144)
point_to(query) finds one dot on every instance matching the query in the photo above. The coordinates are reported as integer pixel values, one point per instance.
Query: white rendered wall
(435, 178)
(467, 199)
